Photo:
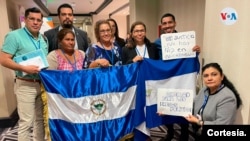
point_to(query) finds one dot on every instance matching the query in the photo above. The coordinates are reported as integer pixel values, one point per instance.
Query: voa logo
(228, 16)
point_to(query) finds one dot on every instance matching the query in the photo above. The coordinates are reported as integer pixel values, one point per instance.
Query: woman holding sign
(138, 46)
(217, 102)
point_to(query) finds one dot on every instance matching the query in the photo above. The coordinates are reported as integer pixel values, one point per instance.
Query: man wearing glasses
(27, 83)
(65, 15)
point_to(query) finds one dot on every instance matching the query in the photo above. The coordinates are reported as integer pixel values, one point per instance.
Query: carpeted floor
(157, 134)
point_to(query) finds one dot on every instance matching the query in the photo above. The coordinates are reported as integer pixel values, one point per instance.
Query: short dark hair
(168, 15)
(65, 5)
(32, 10)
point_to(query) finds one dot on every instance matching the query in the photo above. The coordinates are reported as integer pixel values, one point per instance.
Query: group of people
(67, 48)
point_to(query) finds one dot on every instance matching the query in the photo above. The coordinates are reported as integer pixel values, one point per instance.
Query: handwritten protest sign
(177, 102)
(178, 45)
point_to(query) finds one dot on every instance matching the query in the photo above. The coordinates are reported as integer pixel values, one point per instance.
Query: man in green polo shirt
(28, 90)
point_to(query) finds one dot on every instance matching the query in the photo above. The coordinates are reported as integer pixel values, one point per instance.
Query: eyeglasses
(105, 31)
(139, 31)
(34, 19)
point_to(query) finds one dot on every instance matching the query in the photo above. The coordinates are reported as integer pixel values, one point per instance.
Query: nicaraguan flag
(171, 74)
(91, 105)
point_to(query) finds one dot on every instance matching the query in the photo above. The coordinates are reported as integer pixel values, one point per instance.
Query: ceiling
(83, 9)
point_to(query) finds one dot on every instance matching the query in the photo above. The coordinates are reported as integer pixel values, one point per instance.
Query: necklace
(72, 64)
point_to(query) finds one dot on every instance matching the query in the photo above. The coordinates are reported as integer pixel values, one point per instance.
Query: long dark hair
(116, 34)
(225, 81)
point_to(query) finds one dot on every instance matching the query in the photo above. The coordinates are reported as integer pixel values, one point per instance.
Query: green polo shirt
(21, 41)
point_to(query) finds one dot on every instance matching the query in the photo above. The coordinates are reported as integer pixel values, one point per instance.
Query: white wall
(145, 11)
(7, 97)
(189, 15)
(229, 46)
(122, 24)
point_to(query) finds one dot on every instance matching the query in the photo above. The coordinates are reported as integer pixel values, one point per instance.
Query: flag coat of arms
(106, 104)
(91, 105)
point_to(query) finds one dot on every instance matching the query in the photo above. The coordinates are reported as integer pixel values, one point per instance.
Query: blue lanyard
(72, 64)
(37, 47)
(139, 52)
(204, 104)
(109, 57)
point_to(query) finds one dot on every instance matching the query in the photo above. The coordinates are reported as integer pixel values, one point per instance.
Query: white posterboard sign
(36, 57)
(177, 102)
(178, 45)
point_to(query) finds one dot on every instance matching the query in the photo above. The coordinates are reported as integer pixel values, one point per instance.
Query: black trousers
(184, 135)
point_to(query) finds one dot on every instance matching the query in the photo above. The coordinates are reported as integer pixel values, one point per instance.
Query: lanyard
(110, 58)
(204, 104)
(72, 64)
(36, 46)
(137, 51)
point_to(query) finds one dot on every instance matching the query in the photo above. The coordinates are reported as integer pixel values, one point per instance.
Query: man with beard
(168, 25)
(65, 15)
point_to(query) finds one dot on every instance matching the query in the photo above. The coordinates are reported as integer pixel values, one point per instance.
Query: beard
(67, 24)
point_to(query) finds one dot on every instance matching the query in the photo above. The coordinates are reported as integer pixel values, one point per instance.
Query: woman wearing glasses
(217, 102)
(103, 53)
(138, 46)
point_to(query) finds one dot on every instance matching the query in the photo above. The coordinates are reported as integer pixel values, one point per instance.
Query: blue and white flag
(109, 103)
(91, 105)
(157, 74)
